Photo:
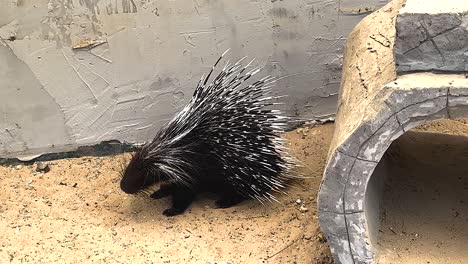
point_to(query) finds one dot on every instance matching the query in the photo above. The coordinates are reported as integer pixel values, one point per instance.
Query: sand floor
(76, 213)
(426, 199)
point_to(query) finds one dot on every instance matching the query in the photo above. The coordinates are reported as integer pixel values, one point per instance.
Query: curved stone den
(351, 191)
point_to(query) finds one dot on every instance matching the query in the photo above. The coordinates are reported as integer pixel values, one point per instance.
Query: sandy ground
(75, 213)
(426, 199)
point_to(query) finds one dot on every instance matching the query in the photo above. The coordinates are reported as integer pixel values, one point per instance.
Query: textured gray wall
(145, 59)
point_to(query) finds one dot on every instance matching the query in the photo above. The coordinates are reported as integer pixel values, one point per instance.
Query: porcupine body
(225, 140)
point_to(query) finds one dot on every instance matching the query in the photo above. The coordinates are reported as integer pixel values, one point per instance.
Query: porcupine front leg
(182, 197)
(165, 190)
(229, 199)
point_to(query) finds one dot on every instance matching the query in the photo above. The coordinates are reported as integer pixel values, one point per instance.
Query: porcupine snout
(133, 179)
(129, 187)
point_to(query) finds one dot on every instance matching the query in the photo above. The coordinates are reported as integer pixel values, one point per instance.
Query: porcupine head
(138, 174)
(226, 127)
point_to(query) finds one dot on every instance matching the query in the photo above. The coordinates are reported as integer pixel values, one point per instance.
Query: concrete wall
(77, 72)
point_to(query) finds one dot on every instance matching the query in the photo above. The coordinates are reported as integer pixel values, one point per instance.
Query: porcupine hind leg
(182, 197)
(229, 199)
(165, 190)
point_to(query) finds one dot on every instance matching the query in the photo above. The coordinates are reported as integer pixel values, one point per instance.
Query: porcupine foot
(228, 200)
(181, 200)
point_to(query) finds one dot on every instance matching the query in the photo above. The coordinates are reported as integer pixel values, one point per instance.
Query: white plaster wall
(146, 57)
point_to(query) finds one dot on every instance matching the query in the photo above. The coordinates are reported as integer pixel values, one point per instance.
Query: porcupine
(226, 140)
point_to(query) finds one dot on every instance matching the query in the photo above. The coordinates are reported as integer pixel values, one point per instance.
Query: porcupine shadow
(146, 209)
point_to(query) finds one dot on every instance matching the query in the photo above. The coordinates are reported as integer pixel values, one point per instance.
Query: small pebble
(321, 238)
(42, 167)
(298, 201)
(303, 209)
